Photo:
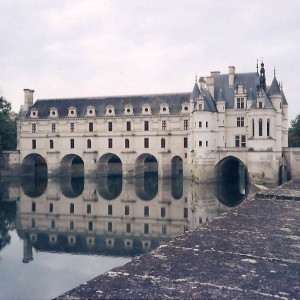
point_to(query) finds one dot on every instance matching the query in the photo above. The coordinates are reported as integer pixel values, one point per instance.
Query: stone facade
(234, 115)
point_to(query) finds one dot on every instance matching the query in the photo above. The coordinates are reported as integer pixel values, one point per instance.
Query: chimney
(202, 83)
(210, 81)
(28, 99)
(231, 75)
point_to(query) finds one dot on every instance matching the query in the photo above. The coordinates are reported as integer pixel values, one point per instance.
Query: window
(146, 142)
(53, 127)
(185, 124)
(33, 142)
(51, 207)
(146, 125)
(260, 104)
(240, 141)
(90, 225)
(185, 213)
(260, 127)
(126, 143)
(72, 225)
(110, 143)
(72, 208)
(164, 229)
(163, 143)
(200, 107)
(146, 228)
(240, 103)
(185, 142)
(51, 144)
(88, 209)
(128, 126)
(240, 122)
(110, 126)
(253, 127)
(52, 224)
(126, 210)
(206, 124)
(146, 211)
(206, 143)
(89, 143)
(32, 223)
(128, 227)
(109, 227)
(268, 127)
(33, 206)
(162, 212)
(200, 143)
(71, 127)
(33, 128)
(200, 124)
(109, 210)
(72, 143)
(91, 127)
(163, 125)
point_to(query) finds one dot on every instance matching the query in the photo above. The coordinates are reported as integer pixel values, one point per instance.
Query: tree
(8, 129)
(294, 132)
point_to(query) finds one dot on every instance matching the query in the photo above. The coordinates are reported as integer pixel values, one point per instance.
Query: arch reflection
(71, 187)
(109, 187)
(146, 187)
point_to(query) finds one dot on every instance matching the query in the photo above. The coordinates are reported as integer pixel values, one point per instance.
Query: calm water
(56, 234)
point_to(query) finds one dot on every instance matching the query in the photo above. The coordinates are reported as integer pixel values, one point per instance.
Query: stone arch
(283, 174)
(146, 163)
(109, 164)
(34, 165)
(71, 187)
(72, 165)
(232, 186)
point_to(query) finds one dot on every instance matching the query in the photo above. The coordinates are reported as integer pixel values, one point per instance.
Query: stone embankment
(251, 252)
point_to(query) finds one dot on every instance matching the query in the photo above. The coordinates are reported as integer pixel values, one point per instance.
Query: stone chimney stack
(231, 75)
(28, 99)
(202, 83)
(210, 82)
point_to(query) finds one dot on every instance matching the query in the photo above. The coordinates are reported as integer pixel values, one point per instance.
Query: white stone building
(227, 121)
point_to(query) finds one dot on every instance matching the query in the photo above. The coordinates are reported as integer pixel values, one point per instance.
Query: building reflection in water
(114, 216)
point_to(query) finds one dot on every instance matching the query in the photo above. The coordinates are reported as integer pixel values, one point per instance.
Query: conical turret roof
(274, 88)
(196, 91)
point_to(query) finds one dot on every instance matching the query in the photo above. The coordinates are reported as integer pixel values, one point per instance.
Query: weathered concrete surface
(252, 252)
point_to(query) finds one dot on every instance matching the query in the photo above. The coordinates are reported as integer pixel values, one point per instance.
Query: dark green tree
(8, 129)
(294, 132)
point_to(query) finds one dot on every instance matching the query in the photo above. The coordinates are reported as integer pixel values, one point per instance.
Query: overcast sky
(64, 48)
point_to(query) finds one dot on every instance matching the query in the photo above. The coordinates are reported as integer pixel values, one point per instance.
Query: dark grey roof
(99, 103)
(220, 96)
(196, 91)
(283, 98)
(249, 80)
(209, 103)
(274, 88)
(267, 101)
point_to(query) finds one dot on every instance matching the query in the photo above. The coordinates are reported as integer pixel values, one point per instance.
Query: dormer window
(53, 112)
(72, 112)
(34, 113)
(240, 102)
(260, 104)
(110, 110)
(90, 111)
(146, 109)
(164, 109)
(185, 109)
(128, 110)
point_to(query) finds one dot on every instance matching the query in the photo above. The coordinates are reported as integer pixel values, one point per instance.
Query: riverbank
(251, 252)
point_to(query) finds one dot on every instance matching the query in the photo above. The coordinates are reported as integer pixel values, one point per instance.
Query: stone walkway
(251, 252)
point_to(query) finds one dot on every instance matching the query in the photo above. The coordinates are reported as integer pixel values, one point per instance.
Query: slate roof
(274, 88)
(99, 103)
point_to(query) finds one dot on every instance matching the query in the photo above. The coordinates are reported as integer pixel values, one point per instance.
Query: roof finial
(196, 78)
(257, 66)
(274, 71)
(281, 85)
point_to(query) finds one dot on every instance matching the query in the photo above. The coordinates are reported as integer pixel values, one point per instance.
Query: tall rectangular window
(126, 210)
(162, 212)
(146, 228)
(185, 124)
(53, 127)
(51, 144)
(71, 127)
(72, 225)
(52, 224)
(126, 143)
(146, 211)
(91, 127)
(185, 142)
(72, 208)
(200, 124)
(88, 209)
(33, 206)
(33, 128)
(110, 143)
(240, 122)
(109, 226)
(128, 227)
(146, 125)
(128, 126)
(51, 207)
(164, 125)
(110, 126)
(72, 143)
(206, 124)
(33, 142)
(90, 225)
(146, 142)
(185, 213)
(240, 103)
(164, 229)
(109, 210)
